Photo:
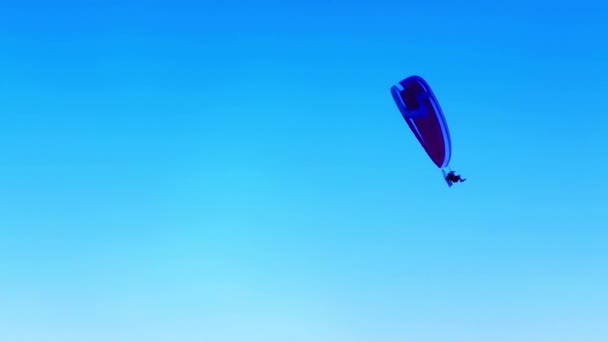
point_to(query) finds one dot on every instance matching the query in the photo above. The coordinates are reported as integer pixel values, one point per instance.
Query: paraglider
(421, 111)
(451, 177)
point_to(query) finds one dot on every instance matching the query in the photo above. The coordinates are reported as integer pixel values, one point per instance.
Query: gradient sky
(237, 171)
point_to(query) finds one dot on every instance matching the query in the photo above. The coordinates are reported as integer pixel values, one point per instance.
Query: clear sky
(237, 171)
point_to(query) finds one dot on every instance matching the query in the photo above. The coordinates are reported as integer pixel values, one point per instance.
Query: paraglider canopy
(420, 109)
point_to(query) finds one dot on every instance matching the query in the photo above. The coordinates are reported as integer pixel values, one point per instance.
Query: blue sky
(237, 171)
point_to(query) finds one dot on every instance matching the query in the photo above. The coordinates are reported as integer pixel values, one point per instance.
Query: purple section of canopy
(423, 115)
